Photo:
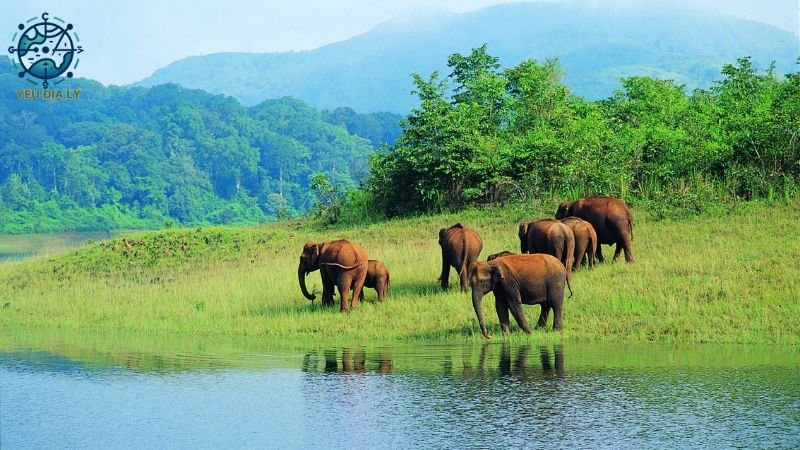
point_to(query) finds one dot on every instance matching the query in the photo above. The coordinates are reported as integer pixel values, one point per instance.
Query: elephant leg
(627, 248)
(443, 278)
(328, 287)
(542, 322)
(557, 316)
(617, 252)
(358, 287)
(381, 290)
(345, 284)
(464, 278)
(600, 253)
(501, 306)
(519, 315)
(579, 252)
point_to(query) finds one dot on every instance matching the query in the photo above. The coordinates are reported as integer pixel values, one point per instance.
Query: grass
(733, 278)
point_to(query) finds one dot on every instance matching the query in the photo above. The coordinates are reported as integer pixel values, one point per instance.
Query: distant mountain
(596, 46)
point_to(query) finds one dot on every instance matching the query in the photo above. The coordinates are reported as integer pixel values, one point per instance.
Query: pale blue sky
(126, 41)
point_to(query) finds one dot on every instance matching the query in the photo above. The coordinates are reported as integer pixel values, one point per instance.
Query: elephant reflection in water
(352, 361)
(519, 366)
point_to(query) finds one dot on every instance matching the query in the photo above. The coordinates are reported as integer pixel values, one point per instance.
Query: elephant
(494, 256)
(611, 219)
(585, 240)
(377, 278)
(548, 236)
(460, 249)
(341, 264)
(520, 279)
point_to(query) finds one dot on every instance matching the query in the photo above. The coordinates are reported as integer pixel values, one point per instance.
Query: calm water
(21, 246)
(195, 394)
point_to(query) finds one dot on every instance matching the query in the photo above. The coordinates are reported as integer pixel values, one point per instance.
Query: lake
(72, 391)
(21, 246)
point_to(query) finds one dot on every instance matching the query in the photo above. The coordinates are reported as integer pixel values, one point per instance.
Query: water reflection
(348, 360)
(190, 393)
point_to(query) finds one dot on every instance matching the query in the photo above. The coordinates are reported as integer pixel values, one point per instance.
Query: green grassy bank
(734, 278)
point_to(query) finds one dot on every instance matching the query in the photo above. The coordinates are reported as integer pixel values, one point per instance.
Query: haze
(132, 39)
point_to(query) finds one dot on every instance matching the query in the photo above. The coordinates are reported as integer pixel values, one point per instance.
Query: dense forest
(142, 157)
(482, 134)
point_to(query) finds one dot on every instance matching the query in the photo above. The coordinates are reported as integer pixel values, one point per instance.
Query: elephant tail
(340, 265)
(464, 261)
(570, 287)
(630, 224)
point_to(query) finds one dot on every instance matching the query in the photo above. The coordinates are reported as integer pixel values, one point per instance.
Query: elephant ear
(311, 251)
(564, 210)
(441, 235)
(523, 230)
(498, 273)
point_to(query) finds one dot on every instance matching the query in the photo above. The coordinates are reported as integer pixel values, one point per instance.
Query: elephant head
(494, 256)
(523, 237)
(309, 262)
(564, 210)
(483, 278)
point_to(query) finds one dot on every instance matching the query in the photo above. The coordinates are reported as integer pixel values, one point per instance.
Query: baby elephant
(494, 256)
(516, 280)
(377, 278)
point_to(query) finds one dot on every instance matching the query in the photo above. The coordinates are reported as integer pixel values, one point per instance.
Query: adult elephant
(585, 240)
(341, 263)
(611, 219)
(460, 249)
(548, 236)
(520, 279)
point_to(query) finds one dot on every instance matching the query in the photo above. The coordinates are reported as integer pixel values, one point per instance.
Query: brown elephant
(460, 249)
(585, 240)
(517, 280)
(494, 256)
(341, 264)
(548, 236)
(611, 219)
(377, 278)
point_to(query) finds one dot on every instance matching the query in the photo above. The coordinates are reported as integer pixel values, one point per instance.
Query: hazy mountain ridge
(371, 71)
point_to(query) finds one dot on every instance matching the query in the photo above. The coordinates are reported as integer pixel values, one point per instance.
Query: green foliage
(137, 158)
(483, 135)
(329, 199)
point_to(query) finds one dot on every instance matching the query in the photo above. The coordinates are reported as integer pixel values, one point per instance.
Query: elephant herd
(550, 250)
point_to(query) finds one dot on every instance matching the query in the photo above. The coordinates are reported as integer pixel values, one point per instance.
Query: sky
(126, 41)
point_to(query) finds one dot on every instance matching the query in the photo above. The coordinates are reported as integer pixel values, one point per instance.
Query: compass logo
(46, 49)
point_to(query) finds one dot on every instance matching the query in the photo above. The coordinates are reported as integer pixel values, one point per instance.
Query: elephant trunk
(477, 296)
(301, 277)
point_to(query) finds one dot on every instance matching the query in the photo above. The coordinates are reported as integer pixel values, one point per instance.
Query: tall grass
(731, 278)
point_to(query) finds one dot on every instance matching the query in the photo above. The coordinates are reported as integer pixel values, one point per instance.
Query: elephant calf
(494, 256)
(377, 278)
(520, 279)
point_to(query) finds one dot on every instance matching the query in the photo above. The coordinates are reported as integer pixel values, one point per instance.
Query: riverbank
(726, 279)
